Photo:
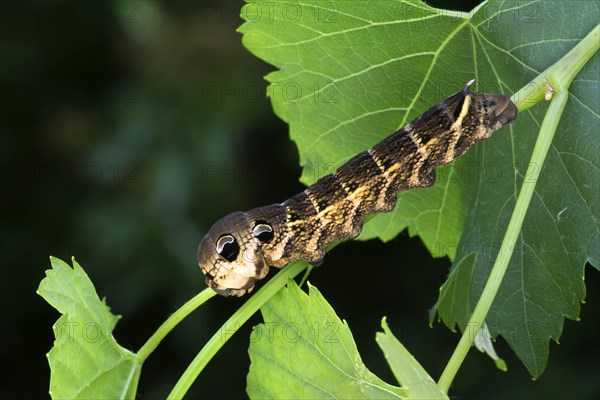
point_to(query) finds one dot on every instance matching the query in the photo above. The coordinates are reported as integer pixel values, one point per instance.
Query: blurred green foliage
(126, 129)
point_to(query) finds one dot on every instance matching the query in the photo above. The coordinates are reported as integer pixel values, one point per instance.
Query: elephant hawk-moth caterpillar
(240, 248)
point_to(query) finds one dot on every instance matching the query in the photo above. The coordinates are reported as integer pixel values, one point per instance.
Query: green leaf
(351, 73)
(346, 82)
(303, 350)
(544, 281)
(409, 373)
(85, 361)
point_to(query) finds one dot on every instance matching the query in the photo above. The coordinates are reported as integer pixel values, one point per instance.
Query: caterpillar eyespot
(228, 248)
(240, 248)
(263, 232)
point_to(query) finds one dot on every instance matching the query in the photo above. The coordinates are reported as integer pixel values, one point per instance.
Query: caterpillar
(240, 248)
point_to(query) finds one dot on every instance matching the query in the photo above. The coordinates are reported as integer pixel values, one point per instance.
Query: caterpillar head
(231, 254)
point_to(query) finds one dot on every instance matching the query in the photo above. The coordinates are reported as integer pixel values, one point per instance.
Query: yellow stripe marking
(456, 126)
(420, 147)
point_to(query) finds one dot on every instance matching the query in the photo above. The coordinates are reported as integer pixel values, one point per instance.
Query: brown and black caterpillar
(240, 248)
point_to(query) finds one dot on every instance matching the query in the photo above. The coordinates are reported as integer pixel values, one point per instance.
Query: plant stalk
(231, 326)
(172, 321)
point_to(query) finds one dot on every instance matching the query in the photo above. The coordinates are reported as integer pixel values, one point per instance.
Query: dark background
(127, 129)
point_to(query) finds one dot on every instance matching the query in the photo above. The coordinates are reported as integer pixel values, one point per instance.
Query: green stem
(232, 325)
(560, 75)
(172, 321)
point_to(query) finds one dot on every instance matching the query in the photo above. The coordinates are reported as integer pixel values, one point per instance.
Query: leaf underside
(303, 350)
(351, 73)
(85, 362)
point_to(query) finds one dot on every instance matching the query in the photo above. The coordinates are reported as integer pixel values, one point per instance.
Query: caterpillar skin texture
(240, 248)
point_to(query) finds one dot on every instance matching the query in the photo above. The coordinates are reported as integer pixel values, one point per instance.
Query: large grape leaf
(350, 73)
(85, 362)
